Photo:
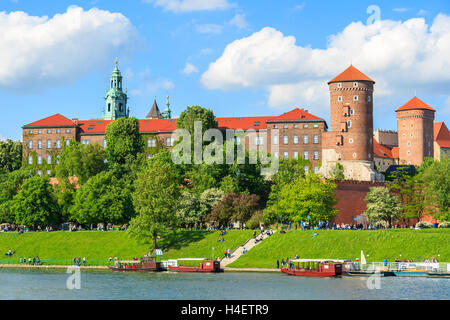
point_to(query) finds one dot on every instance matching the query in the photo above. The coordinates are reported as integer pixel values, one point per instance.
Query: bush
(424, 225)
(445, 224)
(255, 220)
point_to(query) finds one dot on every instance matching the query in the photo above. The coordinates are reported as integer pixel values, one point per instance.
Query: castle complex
(350, 141)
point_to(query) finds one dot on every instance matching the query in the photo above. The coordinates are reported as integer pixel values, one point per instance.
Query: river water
(52, 284)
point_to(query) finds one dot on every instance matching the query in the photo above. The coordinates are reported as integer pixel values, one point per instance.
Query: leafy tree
(80, 160)
(382, 206)
(123, 139)
(10, 155)
(308, 197)
(229, 184)
(189, 211)
(192, 114)
(155, 199)
(65, 191)
(103, 199)
(209, 198)
(234, 207)
(436, 180)
(35, 204)
(10, 184)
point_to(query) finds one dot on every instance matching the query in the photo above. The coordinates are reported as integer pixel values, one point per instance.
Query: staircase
(238, 251)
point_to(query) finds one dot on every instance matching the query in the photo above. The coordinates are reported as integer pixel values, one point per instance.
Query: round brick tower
(415, 132)
(351, 101)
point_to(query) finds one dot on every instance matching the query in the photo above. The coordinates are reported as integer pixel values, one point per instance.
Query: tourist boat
(438, 274)
(365, 273)
(186, 265)
(315, 268)
(410, 273)
(146, 264)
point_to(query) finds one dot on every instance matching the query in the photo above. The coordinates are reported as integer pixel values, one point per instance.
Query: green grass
(99, 246)
(411, 244)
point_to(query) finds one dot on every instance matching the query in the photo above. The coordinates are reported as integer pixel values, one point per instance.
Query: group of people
(77, 261)
(288, 263)
(228, 253)
(10, 253)
(31, 261)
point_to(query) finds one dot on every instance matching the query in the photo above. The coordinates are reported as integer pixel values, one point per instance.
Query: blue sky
(238, 58)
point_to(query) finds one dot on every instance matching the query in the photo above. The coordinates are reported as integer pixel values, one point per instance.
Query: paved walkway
(238, 252)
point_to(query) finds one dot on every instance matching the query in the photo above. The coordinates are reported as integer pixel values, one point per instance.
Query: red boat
(314, 268)
(183, 265)
(146, 264)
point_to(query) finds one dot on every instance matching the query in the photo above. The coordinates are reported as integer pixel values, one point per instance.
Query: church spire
(115, 98)
(167, 111)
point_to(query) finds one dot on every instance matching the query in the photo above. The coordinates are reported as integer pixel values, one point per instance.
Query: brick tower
(415, 132)
(350, 141)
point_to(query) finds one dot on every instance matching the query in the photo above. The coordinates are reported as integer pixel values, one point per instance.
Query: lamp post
(277, 212)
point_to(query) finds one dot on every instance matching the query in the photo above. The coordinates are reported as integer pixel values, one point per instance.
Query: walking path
(238, 252)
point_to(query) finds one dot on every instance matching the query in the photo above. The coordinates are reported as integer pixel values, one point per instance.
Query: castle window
(409, 152)
(349, 123)
(275, 154)
(259, 141)
(49, 159)
(306, 168)
(151, 143)
(350, 140)
(409, 143)
(109, 107)
(49, 130)
(104, 143)
(30, 144)
(355, 84)
(295, 139)
(39, 144)
(67, 130)
(305, 126)
(355, 98)
(340, 99)
(339, 85)
(58, 144)
(39, 172)
(49, 172)
(316, 169)
(30, 159)
(316, 138)
(39, 131)
(354, 155)
(305, 139)
(275, 139)
(295, 126)
(295, 154)
(39, 159)
(120, 107)
(275, 126)
(169, 142)
(237, 140)
(369, 99)
(285, 126)
(352, 112)
(67, 142)
(49, 144)
(316, 155)
(58, 130)
(305, 155)
(30, 131)
(285, 155)
(285, 139)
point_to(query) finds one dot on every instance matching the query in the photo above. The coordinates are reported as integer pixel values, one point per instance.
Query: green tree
(192, 114)
(382, 206)
(209, 198)
(123, 139)
(308, 197)
(155, 199)
(103, 199)
(436, 179)
(189, 210)
(234, 207)
(80, 160)
(35, 204)
(10, 183)
(10, 155)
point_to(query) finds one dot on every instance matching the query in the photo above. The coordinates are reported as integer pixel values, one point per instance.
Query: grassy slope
(412, 244)
(96, 245)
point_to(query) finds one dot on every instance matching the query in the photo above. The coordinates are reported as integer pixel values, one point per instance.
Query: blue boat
(410, 273)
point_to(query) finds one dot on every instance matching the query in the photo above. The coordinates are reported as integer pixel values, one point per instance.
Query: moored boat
(187, 265)
(314, 268)
(146, 264)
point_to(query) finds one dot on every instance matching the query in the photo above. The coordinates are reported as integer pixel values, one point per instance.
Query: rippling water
(51, 284)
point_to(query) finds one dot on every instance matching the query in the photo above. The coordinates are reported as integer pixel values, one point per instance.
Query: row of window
(295, 126)
(295, 139)
(151, 142)
(39, 172)
(48, 131)
(295, 154)
(49, 144)
(39, 159)
(355, 98)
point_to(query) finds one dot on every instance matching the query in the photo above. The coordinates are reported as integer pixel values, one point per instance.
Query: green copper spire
(115, 98)
(167, 112)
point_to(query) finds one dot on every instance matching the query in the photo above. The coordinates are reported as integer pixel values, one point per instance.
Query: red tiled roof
(93, 126)
(52, 121)
(157, 125)
(351, 74)
(297, 114)
(415, 103)
(244, 123)
(441, 135)
(382, 151)
(395, 151)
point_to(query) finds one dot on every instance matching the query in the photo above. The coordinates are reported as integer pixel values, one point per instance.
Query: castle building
(115, 98)
(415, 132)
(350, 140)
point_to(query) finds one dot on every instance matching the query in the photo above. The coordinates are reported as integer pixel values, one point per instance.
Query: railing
(407, 266)
(89, 263)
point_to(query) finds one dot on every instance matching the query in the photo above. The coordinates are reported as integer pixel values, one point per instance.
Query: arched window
(109, 107)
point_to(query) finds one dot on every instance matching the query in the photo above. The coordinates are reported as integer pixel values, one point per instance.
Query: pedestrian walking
(278, 264)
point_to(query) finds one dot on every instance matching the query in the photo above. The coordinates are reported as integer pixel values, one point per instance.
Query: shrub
(424, 225)
(445, 224)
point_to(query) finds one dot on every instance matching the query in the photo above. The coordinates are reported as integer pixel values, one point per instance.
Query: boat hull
(369, 273)
(410, 273)
(136, 269)
(296, 272)
(207, 266)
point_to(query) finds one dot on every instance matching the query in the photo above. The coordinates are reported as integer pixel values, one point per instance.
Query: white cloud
(422, 12)
(300, 6)
(2, 138)
(179, 6)
(400, 9)
(399, 56)
(209, 28)
(40, 52)
(189, 68)
(239, 21)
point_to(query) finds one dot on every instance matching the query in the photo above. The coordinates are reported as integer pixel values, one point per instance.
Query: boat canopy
(318, 260)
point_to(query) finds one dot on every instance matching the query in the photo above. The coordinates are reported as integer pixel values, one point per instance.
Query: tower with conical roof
(415, 132)
(115, 98)
(154, 112)
(350, 141)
